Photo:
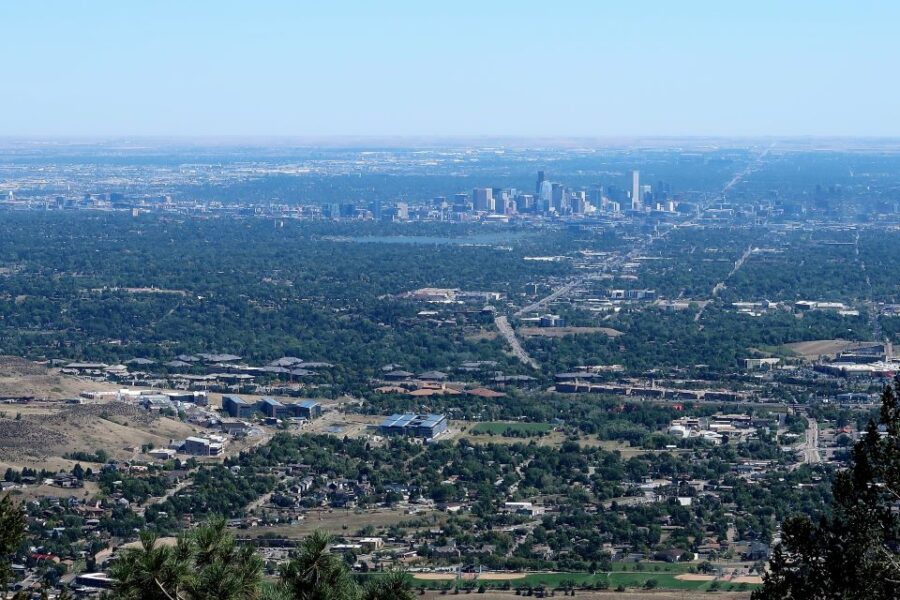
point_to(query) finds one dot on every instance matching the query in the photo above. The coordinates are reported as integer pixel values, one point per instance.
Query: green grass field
(653, 566)
(502, 427)
(665, 579)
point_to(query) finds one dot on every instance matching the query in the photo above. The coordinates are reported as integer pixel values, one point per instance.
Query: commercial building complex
(411, 425)
(270, 407)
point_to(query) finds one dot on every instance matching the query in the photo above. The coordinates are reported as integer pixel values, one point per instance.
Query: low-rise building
(759, 363)
(161, 453)
(202, 446)
(523, 508)
(371, 543)
(236, 427)
(100, 581)
(198, 398)
(305, 409)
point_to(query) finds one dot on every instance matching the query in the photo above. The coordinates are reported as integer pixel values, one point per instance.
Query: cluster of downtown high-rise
(553, 198)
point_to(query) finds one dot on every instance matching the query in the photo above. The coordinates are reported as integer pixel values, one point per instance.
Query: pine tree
(315, 574)
(12, 532)
(396, 585)
(204, 564)
(854, 552)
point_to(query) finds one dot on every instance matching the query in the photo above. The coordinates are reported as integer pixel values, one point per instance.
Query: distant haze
(462, 68)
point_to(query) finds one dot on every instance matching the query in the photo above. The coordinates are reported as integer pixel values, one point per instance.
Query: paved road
(749, 169)
(160, 499)
(721, 285)
(872, 307)
(507, 332)
(737, 266)
(810, 446)
(722, 196)
(259, 502)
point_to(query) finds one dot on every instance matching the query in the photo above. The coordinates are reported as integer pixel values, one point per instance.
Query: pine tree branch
(169, 596)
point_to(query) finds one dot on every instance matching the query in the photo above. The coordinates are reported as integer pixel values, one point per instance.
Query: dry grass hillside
(39, 433)
(20, 377)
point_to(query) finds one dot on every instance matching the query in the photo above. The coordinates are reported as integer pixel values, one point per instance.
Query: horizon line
(500, 141)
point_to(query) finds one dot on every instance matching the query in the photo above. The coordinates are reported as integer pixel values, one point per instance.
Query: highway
(613, 262)
(507, 332)
(564, 289)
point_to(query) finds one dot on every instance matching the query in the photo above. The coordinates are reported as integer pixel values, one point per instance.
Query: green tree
(395, 585)
(315, 574)
(204, 564)
(12, 532)
(852, 553)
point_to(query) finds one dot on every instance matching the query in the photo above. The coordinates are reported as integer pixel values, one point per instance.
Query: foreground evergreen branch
(206, 564)
(12, 532)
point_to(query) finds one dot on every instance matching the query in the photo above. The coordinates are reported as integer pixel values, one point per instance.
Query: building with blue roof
(305, 409)
(426, 426)
(237, 407)
(308, 409)
(271, 407)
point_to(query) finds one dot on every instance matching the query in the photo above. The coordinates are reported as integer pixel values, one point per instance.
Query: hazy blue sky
(667, 67)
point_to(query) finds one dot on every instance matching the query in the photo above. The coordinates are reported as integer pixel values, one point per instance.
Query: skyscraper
(545, 198)
(559, 197)
(524, 203)
(500, 197)
(646, 195)
(540, 181)
(578, 202)
(376, 209)
(636, 203)
(483, 199)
